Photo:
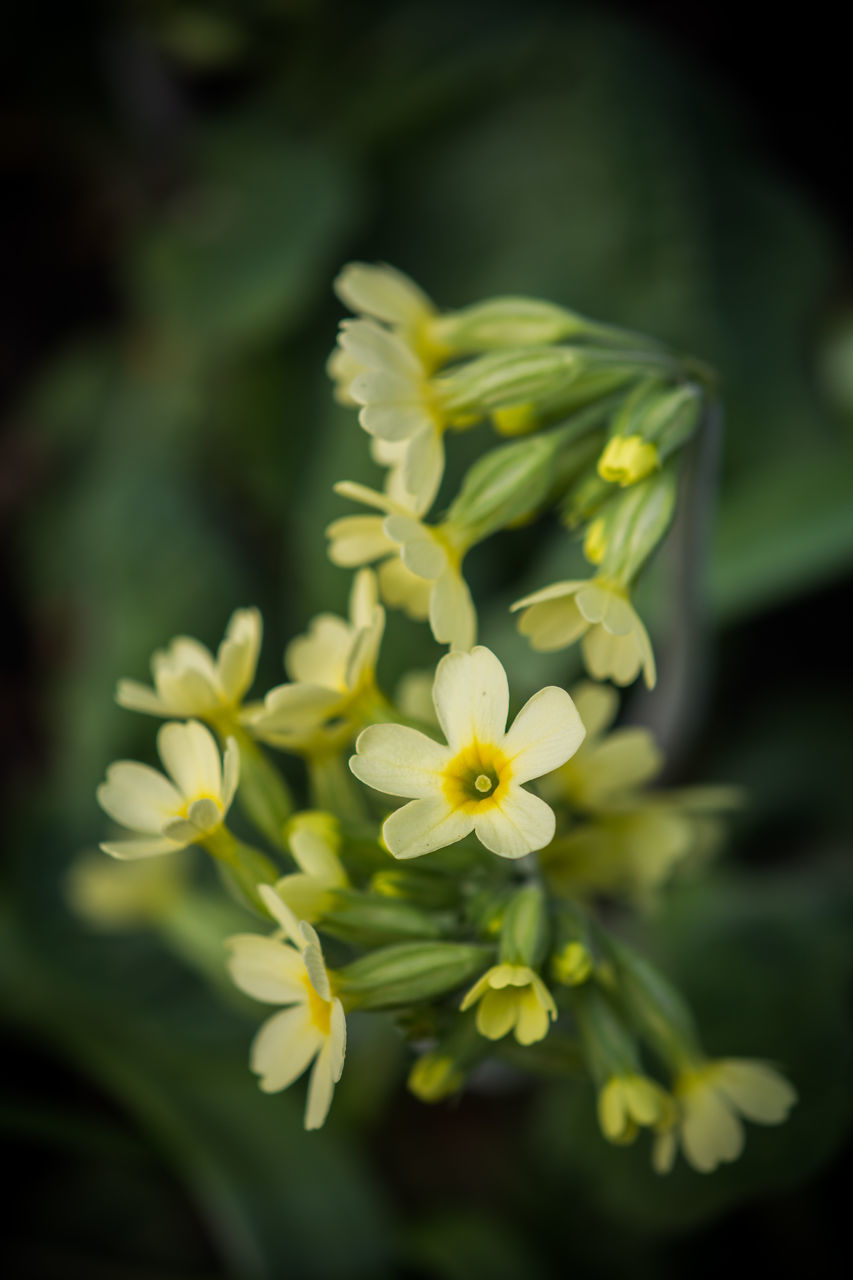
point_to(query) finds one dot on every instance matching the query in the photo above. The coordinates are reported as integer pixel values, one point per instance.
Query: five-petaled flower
(288, 969)
(170, 813)
(511, 997)
(474, 783)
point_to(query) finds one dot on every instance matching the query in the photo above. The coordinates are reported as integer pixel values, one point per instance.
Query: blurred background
(181, 183)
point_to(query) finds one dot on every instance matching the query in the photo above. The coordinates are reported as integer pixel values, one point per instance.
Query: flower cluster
(454, 855)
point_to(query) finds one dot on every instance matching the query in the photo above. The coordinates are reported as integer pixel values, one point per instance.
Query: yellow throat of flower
(477, 778)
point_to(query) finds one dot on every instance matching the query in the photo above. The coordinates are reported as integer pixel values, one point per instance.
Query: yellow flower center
(319, 1009)
(476, 778)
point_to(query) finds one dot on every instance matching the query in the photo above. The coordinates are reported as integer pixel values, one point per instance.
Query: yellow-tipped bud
(627, 459)
(435, 1076)
(595, 541)
(515, 420)
(572, 965)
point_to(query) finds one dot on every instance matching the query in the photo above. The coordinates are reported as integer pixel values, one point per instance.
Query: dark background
(180, 185)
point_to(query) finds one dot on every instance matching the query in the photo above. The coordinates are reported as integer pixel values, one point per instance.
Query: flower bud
(608, 1045)
(627, 459)
(424, 888)
(634, 522)
(505, 322)
(525, 927)
(506, 378)
(655, 1007)
(407, 973)
(368, 920)
(435, 1076)
(572, 964)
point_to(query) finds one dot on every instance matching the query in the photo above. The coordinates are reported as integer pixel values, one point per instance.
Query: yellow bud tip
(515, 420)
(482, 783)
(627, 459)
(595, 542)
(573, 964)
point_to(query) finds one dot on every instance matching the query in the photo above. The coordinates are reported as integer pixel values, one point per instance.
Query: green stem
(246, 867)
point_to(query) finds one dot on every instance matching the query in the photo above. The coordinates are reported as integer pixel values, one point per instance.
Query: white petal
(452, 617)
(402, 589)
(320, 656)
(552, 624)
(294, 709)
(355, 540)
(759, 1092)
(138, 797)
(421, 552)
(397, 421)
(557, 591)
(597, 706)
(610, 608)
(424, 825)
(609, 657)
(136, 696)
(361, 493)
(266, 969)
(363, 598)
(544, 734)
(283, 1047)
(238, 654)
(191, 757)
(378, 349)
(321, 1086)
(282, 913)
(399, 760)
(130, 849)
(710, 1133)
(313, 855)
(521, 824)
(382, 292)
(365, 650)
(423, 467)
(471, 697)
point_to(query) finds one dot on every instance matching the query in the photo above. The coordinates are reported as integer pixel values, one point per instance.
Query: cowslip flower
(332, 668)
(627, 459)
(511, 997)
(189, 681)
(421, 571)
(171, 812)
(614, 642)
(711, 1098)
(383, 293)
(474, 783)
(288, 969)
(607, 767)
(627, 1102)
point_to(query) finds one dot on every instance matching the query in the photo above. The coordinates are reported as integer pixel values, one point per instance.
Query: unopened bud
(405, 974)
(524, 928)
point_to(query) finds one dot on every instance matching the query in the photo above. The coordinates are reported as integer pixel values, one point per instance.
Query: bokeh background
(181, 182)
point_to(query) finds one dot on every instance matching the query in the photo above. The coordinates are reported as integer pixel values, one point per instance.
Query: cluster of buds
(450, 869)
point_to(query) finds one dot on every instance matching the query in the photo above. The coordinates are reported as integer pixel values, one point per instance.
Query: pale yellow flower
(288, 969)
(397, 402)
(314, 843)
(386, 294)
(711, 1099)
(511, 997)
(607, 767)
(332, 667)
(189, 681)
(614, 642)
(421, 571)
(474, 783)
(627, 1102)
(169, 813)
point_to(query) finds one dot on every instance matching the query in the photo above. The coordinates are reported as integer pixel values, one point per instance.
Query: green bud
(656, 1008)
(516, 376)
(407, 973)
(608, 1045)
(633, 523)
(369, 920)
(524, 932)
(504, 322)
(423, 888)
(584, 498)
(434, 1077)
(672, 421)
(573, 957)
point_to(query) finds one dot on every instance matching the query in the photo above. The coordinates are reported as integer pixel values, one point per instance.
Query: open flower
(169, 813)
(189, 681)
(288, 969)
(614, 642)
(332, 667)
(511, 997)
(474, 783)
(711, 1099)
(422, 568)
(627, 1102)
(384, 293)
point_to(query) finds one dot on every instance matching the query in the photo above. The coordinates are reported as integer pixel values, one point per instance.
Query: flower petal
(544, 734)
(759, 1093)
(399, 760)
(471, 697)
(402, 589)
(320, 656)
(422, 467)
(191, 757)
(130, 849)
(710, 1132)
(451, 611)
(382, 292)
(520, 824)
(497, 1012)
(266, 969)
(238, 654)
(420, 551)
(283, 1047)
(355, 540)
(424, 825)
(135, 696)
(138, 797)
(321, 1086)
(552, 624)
